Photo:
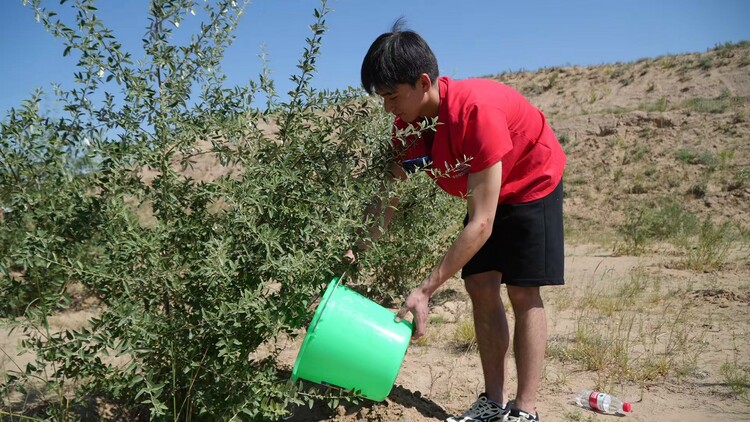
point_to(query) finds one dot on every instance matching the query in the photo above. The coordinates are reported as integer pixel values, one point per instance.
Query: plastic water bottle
(601, 402)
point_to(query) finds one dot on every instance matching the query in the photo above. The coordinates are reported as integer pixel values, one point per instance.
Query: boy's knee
(525, 297)
(483, 286)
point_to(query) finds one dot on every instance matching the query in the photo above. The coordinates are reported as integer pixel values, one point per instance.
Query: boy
(496, 150)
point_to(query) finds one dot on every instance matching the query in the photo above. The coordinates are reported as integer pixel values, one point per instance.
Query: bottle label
(596, 400)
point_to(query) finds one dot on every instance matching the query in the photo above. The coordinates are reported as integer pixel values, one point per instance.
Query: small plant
(667, 62)
(717, 105)
(670, 341)
(622, 298)
(739, 116)
(577, 416)
(551, 81)
(437, 319)
(627, 80)
(690, 156)
(706, 63)
(698, 190)
(602, 346)
(633, 234)
(464, 336)
(727, 128)
(637, 188)
(725, 159)
(687, 156)
(640, 152)
(663, 220)
(532, 89)
(737, 378)
(737, 180)
(631, 333)
(713, 245)
(726, 50)
(660, 105)
(430, 337)
(617, 72)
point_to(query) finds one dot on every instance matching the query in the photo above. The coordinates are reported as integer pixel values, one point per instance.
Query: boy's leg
(491, 326)
(529, 343)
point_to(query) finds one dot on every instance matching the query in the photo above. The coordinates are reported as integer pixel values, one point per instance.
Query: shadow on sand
(370, 410)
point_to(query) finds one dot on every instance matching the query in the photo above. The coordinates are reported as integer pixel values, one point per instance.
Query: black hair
(397, 57)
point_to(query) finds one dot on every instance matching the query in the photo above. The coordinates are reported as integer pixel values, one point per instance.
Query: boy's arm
(484, 191)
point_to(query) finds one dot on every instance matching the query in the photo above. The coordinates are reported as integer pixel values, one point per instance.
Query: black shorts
(526, 245)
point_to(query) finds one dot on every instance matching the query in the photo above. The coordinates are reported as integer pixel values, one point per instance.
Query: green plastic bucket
(353, 343)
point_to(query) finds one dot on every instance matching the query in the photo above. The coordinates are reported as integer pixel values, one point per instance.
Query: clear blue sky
(469, 37)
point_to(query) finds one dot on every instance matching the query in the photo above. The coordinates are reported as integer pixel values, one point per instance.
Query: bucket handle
(322, 310)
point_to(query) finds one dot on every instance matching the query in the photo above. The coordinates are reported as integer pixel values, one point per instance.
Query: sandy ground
(438, 380)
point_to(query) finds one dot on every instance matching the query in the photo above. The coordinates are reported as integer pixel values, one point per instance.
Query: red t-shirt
(481, 122)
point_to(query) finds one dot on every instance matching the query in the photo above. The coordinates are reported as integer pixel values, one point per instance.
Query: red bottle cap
(626, 407)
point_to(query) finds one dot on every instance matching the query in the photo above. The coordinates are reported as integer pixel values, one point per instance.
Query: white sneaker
(517, 415)
(483, 410)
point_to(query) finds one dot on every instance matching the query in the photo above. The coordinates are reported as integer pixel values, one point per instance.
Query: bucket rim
(334, 283)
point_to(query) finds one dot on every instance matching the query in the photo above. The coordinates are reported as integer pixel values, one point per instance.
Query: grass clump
(691, 156)
(644, 224)
(704, 245)
(658, 105)
(437, 319)
(717, 105)
(737, 180)
(625, 296)
(601, 346)
(737, 378)
(727, 49)
(429, 338)
(710, 251)
(465, 337)
(635, 332)
(577, 416)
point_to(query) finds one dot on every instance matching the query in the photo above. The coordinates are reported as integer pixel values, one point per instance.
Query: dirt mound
(674, 126)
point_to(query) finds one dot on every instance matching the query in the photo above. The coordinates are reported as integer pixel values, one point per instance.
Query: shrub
(464, 335)
(44, 186)
(710, 251)
(694, 157)
(398, 262)
(193, 297)
(660, 105)
(720, 104)
(645, 223)
(737, 378)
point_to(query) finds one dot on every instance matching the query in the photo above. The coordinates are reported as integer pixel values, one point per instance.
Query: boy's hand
(416, 303)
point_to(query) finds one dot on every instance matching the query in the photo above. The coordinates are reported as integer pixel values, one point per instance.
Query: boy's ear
(425, 82)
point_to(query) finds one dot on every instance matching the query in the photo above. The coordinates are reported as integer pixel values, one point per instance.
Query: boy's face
(406, 101)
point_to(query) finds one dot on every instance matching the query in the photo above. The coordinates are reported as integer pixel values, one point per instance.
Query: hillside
(674, 126)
